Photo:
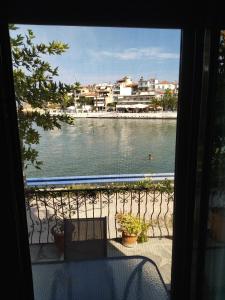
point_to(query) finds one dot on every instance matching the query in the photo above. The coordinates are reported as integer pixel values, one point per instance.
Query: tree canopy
(169, 101)
(35, 85)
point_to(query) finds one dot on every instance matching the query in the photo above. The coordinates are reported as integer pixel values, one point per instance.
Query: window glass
(97, 114)
(214, 275)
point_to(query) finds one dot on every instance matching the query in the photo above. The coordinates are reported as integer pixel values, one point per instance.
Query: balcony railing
(45, 207)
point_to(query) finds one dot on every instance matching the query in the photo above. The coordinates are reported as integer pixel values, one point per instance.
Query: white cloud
(152, 53)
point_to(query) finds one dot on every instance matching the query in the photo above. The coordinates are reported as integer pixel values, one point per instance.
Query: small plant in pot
(58, 234)
(131, 227)
(143, 236)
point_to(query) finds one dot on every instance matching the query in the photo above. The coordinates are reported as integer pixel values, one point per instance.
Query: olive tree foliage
(155, 103)
(169, 101)
(35, 85)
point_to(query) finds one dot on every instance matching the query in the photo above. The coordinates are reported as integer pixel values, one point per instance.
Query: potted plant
(58, 234)
(217, 224)
(217, 191)
(131, 227)
(217, 215)
(143, 237)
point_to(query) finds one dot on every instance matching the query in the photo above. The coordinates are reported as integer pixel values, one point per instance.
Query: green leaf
(36, 87)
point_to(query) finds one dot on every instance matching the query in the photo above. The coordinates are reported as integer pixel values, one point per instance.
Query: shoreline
(117, 115)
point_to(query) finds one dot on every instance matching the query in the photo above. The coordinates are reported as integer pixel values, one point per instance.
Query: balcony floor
(158, 250)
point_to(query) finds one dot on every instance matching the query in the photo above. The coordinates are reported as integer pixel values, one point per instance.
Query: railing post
(145, 203)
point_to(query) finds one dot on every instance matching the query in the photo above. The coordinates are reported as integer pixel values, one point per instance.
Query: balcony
(45, 206)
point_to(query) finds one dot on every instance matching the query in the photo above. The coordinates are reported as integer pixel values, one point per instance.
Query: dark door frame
(189, 112)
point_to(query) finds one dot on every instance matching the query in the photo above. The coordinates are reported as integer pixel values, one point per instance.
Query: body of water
(107, 146)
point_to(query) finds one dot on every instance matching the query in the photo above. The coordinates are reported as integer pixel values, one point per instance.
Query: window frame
(189, 111)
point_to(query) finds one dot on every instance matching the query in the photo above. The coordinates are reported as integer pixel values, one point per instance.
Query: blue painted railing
(97, 179)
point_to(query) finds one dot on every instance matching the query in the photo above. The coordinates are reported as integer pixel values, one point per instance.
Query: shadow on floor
(49, 252)
(158, 250)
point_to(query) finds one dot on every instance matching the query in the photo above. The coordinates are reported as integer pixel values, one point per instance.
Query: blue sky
(103, 54)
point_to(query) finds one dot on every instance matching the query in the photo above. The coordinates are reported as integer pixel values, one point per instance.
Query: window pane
(97, 110)
(214, 285)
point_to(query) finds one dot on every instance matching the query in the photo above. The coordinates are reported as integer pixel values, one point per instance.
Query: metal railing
(46, 207)
(97, 179)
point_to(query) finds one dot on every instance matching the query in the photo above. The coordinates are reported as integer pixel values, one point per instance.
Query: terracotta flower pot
(59, 236)
(58, 239)
(129, 240)
(218, 224)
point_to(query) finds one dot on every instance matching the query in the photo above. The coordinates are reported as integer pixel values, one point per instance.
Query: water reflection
(107, 146)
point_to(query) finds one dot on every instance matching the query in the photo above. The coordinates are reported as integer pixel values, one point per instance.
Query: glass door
(214, 269)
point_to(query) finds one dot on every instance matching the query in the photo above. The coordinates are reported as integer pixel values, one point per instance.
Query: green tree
(169, 101)
(67, 100)
(35, 86)
(155, 103)
(76, 87)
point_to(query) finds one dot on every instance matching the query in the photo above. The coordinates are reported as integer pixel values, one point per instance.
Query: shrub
(129, 224)
(143, 237)
(132, 225)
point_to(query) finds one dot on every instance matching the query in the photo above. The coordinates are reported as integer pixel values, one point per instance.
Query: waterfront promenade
(119, 115)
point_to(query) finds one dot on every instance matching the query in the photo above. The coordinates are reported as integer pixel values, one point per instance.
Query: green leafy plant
(131, 225)
(36, 86)
(143, 237)
(58, 228)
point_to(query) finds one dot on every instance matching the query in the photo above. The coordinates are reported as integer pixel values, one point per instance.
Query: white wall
(143, 84)
(162, 86)
(125, 91)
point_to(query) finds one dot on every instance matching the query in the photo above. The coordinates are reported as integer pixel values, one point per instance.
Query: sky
(106, 54)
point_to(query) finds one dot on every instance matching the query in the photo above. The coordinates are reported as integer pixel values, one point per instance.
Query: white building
(123, 87)
(137, 102)
(147, 85)
(96, 96)
(164, 85)
(132, 96)
(104, 95)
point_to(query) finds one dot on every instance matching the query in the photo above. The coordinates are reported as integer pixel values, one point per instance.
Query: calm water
(107, 146)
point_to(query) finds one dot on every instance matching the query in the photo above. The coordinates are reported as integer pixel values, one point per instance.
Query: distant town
(125, 96)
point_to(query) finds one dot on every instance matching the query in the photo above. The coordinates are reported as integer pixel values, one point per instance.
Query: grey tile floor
(158, 250)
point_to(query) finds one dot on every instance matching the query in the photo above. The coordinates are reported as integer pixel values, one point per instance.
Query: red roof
(164, 82)
(131, 84)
